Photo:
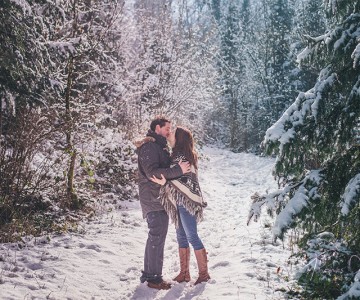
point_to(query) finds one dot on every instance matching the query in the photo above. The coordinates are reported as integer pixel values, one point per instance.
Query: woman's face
(171, 138)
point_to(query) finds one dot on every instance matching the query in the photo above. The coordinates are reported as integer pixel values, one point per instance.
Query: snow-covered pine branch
(287, 202)
(351, 195)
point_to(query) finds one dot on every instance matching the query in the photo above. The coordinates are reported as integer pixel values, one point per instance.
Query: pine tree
(278, 64)
(309, 21)
(232, 20)
(318, 159)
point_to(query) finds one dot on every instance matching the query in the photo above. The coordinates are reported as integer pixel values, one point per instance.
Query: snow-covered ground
(105, 261)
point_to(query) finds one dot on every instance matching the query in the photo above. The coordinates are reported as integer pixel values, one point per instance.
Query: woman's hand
(161, 181)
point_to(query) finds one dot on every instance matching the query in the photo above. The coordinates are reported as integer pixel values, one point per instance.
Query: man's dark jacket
(153, 159)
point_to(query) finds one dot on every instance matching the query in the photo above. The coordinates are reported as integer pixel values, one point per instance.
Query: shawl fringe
(170, 196)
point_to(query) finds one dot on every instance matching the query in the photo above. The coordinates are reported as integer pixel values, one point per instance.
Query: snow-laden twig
(302, 192)
(350, 195)
(354, 291)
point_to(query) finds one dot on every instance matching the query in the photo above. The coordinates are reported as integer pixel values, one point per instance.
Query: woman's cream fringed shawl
(184, 191)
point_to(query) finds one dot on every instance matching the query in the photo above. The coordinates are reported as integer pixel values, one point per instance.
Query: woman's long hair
(184, 145)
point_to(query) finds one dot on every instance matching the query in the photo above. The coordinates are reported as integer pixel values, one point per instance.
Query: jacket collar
(159, 139)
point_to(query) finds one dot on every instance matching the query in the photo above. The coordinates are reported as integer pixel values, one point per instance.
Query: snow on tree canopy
(294, 116)
(356, 55)
(354, 291)
(25, 6)
(296, 203)
(65, 47)
(350, 195)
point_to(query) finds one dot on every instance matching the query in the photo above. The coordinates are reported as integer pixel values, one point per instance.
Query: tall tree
(318, 159)
(170, 71)
(25, 86)
(232, 22)
(309, 21)
(83, 59)
(58, 67)
(279, 63)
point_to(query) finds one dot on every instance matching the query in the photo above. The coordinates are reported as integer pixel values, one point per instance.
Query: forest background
(80, 80)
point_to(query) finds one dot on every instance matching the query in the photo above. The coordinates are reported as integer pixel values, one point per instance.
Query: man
(154, 160)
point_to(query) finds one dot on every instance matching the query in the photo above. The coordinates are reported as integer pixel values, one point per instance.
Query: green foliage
(330, 269)
(118, 171)
(26, 216)
(23, 61)
(316, 134)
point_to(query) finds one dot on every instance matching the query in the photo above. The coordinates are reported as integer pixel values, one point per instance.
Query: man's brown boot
(201, 258)
(163, 285)
(184, 275)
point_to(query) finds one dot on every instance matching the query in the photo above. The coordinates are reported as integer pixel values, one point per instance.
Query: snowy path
(105, 262)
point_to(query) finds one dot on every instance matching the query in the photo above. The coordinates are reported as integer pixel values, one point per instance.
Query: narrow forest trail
(105, 261)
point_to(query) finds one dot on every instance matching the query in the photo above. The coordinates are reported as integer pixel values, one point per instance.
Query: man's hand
(161, 181)
(185, 166)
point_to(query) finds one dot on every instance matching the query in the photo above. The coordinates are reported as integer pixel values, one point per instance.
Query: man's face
(164, 131)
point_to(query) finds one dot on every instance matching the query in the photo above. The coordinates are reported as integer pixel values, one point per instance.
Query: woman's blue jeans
(187, 231)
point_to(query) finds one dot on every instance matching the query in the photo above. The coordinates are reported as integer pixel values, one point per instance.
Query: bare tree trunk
(233, 119)
(70, 192)
(69, 144)
(1, 113)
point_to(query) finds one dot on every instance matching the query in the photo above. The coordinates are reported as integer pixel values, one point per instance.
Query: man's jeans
(158, 223)
(187, 231)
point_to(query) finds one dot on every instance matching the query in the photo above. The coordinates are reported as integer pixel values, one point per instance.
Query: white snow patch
(105, 261)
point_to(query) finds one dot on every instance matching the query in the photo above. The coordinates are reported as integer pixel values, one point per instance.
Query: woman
(184, 203)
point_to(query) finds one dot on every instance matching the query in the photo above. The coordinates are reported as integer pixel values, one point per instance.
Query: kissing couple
(169, 187)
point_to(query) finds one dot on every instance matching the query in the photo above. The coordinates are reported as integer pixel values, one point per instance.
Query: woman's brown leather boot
(201, 258)
(184, 275)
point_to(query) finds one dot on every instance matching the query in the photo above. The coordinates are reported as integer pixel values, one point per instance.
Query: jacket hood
(159, 139)
(152, 136)
(143, 141)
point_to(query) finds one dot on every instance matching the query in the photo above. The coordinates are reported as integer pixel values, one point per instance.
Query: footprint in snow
(251, 260)
(270, 264)
(12, 275)
(142, 292)
(220, 264)
(123, 278)
(175, 292)
(94, 247)
(33, 287)
(216, 245)
(131, 269)
(35, 266)
(104, 261)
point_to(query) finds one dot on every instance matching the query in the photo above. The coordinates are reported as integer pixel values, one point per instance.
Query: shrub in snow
(60, 81)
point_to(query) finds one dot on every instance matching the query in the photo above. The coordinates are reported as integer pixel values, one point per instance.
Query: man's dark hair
(158, 121)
